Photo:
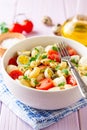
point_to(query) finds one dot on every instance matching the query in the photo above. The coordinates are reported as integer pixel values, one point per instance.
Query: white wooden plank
(68, 123)
(0, 106)
(9, 121)
(83, 118)
(70, 8)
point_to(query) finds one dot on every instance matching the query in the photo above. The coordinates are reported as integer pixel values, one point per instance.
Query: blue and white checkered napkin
(38, 119)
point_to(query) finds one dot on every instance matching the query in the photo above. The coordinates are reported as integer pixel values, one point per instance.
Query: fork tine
(59, 49)
(62, 49)
(65, 49)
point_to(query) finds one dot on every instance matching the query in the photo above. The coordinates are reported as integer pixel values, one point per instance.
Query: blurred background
(58, 10)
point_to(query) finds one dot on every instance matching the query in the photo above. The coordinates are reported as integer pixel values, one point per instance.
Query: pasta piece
(33, 82)
(84, 78)
(63, 65)
(45, 61)
(48, 72)
(24, 82)
(35, 72)
(27, 73)
(22, 68)
(34, 63)
(53, 64)
(40, 76)
(83, 61)
(36, 50)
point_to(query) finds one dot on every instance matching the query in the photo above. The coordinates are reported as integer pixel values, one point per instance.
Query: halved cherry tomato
(27, 26)
(71, 51)
(16, 28)
(45, 84)
(15, 74)
(71, 80)
(12, 61)
(53, 55)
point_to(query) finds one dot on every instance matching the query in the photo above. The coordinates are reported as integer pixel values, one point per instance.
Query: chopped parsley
(3, 28)
(26, 77)
(74, 62)
(54, 48)
(65, 71)
(51, 60)
(57, 67)
(44, 56)
(61, 84)
(34, 58)
(36, 82)
(36, 49)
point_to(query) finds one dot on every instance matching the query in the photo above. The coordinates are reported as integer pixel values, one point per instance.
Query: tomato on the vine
(27, 26)
(16, 28)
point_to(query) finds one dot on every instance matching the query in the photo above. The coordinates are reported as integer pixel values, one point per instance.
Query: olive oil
(76, 29)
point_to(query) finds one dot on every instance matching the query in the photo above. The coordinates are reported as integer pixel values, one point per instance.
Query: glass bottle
(76, 27)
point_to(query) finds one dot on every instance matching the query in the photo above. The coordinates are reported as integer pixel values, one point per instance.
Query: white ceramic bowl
(38, 98)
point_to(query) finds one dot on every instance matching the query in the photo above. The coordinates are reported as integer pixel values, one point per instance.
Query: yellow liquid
(76, 30)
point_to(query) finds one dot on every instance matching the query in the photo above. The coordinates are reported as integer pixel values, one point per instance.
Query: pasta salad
(41, 68)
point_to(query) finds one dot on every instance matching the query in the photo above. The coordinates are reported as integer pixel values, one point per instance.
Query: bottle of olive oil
(76, 27)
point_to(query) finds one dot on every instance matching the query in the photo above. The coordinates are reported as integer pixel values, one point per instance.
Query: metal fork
(66, 57)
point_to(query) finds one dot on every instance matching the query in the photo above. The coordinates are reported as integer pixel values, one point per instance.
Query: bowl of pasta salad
(34, 72)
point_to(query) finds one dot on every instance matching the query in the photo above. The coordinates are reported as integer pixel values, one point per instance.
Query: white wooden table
(58, 10)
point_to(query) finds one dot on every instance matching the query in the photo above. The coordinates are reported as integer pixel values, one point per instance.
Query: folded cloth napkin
(36, 118)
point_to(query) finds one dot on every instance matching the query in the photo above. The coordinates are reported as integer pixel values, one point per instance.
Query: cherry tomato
(12, 61)
(15, 74)
(27, 26)
(71, 51)
(16, 28)
(45, 84)
(53, 55)
(71, 80)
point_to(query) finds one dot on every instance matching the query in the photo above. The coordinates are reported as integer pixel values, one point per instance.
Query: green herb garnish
(25, 77)
(61, 84)
(36, 49)
(36, 82)
(44, 56)
(65, 71)
(3, 27)
(57, 67)
(34, 58)
(54, 48)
